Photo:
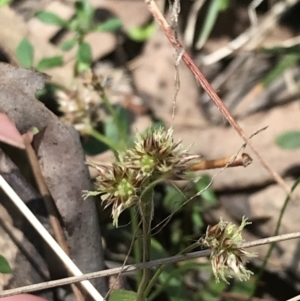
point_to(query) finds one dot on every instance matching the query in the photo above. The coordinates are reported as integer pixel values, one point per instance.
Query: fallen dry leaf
(62, 162)
(9, 133)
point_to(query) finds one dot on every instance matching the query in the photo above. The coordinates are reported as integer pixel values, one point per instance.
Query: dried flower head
(227, 255)
(82, 106)
(119, 186)
(157, 154)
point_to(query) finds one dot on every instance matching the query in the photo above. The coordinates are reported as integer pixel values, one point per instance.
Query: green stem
(266, 259)
(112, 112)
(146, 212)
(137, 244)
(102, 138)
(161, 269)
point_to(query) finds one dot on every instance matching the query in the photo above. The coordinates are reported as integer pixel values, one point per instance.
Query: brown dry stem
(242, 160)
(157, 15)
(134, 267)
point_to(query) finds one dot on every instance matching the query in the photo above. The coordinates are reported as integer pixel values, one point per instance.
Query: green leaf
(4, 266)
(212, 290)
(84, 57)
(85, 15)
(141, 34)
(224, 4)
(51, 18)
(73, 25)
(68, 45)
(289, 140)
(209, 22)
(50, 62)
(4, 2)
(25, 53)
(208, 194)
(112, 131)
(110, 25)
(93, 146)
(197, 220)
(122, 295)
(173, 198)
(295, 49)
(285, 63)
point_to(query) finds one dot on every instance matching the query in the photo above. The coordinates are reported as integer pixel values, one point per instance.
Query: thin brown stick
(50, 205)
(243, 160)
(157, 15)
(130, 268)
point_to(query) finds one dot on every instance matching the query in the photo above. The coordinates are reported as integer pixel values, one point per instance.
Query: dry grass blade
(254, 35)
(209, 90)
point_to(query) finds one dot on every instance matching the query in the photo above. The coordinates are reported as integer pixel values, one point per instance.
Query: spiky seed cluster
(119, 186)
(156, 154)
(227, 256)
(153, 156)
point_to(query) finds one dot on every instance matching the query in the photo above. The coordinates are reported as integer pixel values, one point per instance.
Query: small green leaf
(84, 57)
(68, 45)
(122, 295)
(141, 34)
(25, 53)
(289, 140)
(207, 194)
(84, 15)
(197, 220)
(73, 25)
(276, 50)
(110, 25)
(173, 199)
(4, 2)
(118, 132)
(51, 18)
(209, 22)
(224, 4)
(287, 61)
(50, 62)
(4, 266)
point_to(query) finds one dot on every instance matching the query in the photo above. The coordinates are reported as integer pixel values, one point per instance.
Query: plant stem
(102, 138)
(146, 211)
(112, 112)
(272, 245)
(137, 244)
(162, 267)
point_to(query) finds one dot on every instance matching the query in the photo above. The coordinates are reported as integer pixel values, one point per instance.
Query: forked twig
(209, 90)
(134, 267)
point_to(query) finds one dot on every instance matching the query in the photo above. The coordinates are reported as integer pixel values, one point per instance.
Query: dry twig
(209, 90)
(130, 268)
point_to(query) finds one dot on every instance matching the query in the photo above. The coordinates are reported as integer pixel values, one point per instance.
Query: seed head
(119, 186)
(227, 256)
(157, 154)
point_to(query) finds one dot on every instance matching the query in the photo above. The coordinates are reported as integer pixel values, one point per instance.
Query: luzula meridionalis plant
(227, 256)
(154, 157)
(130, 181)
